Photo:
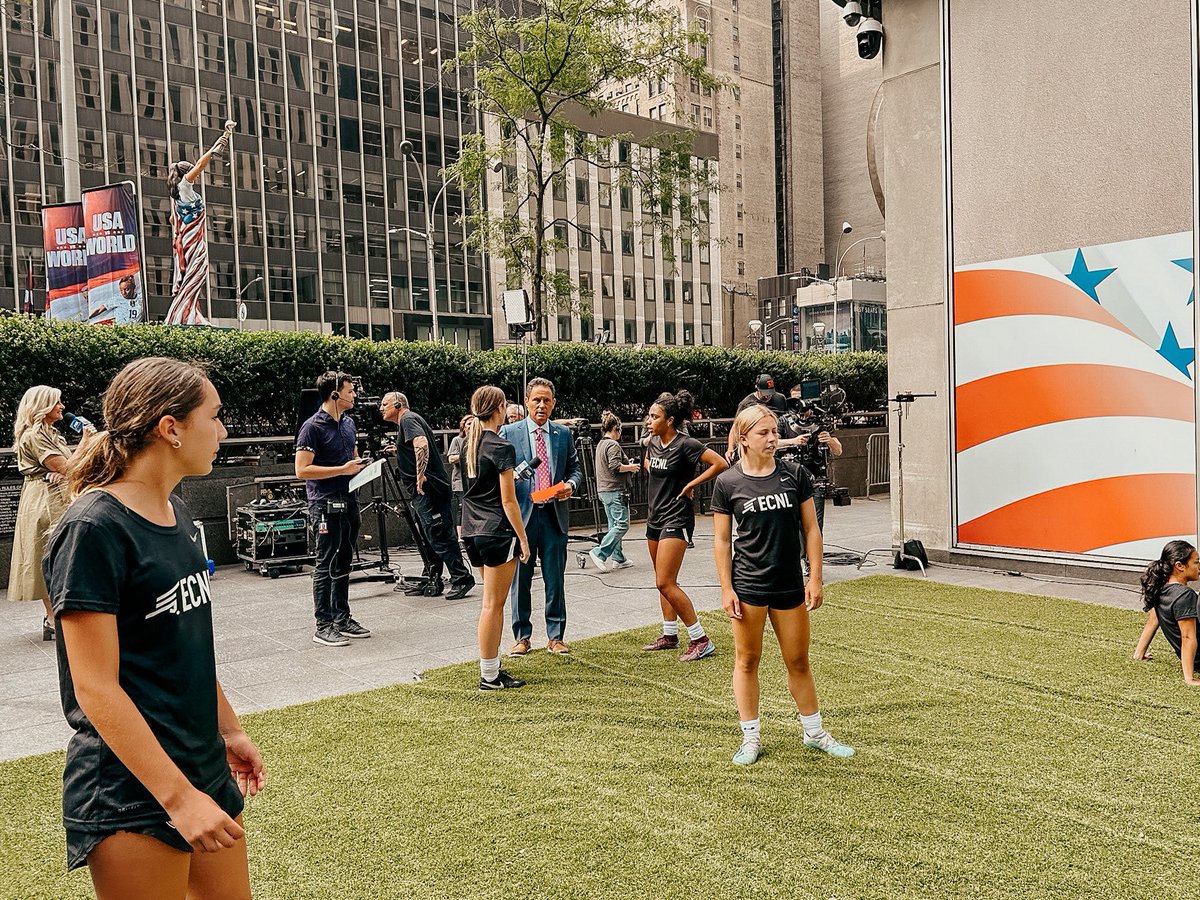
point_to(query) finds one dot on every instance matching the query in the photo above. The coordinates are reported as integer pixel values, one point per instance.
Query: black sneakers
(352, 629)
(460, 590)
(503, 682)
(329, 636)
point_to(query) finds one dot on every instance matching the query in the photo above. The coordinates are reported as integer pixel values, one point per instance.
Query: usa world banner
(114, 261)
(66, 262)
(1074, 412)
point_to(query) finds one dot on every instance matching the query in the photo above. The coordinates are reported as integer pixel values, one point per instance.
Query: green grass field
(1007, 747)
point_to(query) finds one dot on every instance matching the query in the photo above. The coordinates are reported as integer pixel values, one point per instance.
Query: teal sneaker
(828, 744)
(747, 754)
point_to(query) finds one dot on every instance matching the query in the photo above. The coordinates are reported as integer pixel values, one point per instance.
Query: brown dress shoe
(558, 647)
(520, 648)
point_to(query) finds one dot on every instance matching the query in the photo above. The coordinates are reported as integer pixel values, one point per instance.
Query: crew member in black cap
(764, 393)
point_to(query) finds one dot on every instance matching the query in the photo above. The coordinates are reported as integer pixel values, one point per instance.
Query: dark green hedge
(260, 374)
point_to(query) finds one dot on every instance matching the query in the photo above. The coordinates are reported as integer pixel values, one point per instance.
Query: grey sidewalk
(266, 657)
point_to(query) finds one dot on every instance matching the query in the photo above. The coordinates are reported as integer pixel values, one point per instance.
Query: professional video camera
(368, 417)
(808, 416)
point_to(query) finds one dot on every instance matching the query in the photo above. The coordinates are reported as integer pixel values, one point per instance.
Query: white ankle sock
(489, 669)
(671, 628)
(695, 631)
(750, 732)
(812, 724)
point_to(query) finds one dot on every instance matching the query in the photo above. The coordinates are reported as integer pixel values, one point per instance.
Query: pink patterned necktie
(543, 471)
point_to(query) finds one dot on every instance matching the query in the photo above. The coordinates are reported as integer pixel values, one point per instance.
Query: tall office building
(317, 220)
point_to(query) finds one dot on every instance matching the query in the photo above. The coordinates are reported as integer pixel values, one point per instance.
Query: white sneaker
(623, 564)
(597, 560)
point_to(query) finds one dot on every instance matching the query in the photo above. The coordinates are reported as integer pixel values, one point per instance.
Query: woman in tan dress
(42, 455)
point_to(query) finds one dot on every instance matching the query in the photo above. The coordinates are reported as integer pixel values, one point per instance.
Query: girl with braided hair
(1171, 605)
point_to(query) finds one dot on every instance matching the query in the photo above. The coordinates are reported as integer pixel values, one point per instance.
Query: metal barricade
(879, 462)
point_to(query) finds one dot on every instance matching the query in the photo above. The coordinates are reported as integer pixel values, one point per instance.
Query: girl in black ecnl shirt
(1172, 604)
(492, 528)
(671, 460)
(771, 502)
(159, 765)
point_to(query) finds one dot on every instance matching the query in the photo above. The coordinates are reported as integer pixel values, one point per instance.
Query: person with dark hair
(612, 479)
(764, 393)
(493, 530)
(771, 502)
(326, 459)
(159, 765)
(671, 460)
(1172, 604)
(188, 236)
(546, 521)
(420, 469)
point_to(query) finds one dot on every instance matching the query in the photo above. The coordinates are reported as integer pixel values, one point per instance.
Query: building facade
(315, 218)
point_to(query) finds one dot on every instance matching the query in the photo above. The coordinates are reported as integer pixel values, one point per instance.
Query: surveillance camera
(870, 38)
(847, 228)
(852, 12)
(406, 148)
(495, 164)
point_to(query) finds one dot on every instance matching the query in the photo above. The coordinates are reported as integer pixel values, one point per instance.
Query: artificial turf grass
(1006, 747)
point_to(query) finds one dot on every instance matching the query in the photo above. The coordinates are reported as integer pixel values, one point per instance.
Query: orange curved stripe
(1025, 398)
(1092, 514)
(991, 293)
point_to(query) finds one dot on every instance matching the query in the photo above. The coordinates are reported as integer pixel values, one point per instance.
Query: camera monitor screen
(810, 389)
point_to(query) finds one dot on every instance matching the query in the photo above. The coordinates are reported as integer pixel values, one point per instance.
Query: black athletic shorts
(491, 549)
(775, 601)
(82, 841)
(679, 532)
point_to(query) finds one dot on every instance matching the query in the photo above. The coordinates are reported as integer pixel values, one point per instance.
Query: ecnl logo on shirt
(767, 502)
(660, 462)
(187, 594)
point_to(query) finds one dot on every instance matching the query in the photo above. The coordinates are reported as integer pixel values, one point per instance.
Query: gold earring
(176, 445)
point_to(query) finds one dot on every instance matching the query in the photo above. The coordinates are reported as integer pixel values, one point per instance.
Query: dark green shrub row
(260, 374)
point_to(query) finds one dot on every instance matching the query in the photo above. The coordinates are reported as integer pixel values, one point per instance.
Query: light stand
(901, 400)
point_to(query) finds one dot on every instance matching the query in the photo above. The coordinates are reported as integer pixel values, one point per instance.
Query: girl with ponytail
(1171, 605)
(159, 765)
(492, 529)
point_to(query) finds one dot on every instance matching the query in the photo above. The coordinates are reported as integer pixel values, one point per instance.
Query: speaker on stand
(518, 314)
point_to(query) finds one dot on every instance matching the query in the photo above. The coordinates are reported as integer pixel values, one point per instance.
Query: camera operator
(764, 393)
(326, 459)
(804, 437)
(420, 469)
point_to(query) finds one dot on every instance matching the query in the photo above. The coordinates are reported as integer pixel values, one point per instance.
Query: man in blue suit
(536, 437)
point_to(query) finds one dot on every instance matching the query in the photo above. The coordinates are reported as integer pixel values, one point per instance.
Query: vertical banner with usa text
(66, 262)
(114, 264)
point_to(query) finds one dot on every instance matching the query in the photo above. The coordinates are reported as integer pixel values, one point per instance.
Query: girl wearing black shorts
(770, 500)
(492, 530)
(671, 460)
(1172, 604)
(159, 765)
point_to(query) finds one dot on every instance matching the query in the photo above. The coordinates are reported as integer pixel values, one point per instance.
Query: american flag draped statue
(189, 239)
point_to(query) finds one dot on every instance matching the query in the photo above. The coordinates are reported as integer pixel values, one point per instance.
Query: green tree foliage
(540, 71)
(260, 373)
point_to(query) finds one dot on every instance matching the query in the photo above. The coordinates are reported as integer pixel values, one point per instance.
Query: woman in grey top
(612, 474)
(456, 473)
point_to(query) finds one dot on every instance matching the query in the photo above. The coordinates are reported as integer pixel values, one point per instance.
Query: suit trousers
(547, 542)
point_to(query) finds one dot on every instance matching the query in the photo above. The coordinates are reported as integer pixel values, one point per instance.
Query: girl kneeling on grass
(492, 530)
(671, 459)
(770, 500)
(159, 765)
(1167, 597)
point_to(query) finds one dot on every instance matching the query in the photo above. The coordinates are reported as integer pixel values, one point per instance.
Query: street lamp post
(882, 236)
(242, 293)
(406, 150)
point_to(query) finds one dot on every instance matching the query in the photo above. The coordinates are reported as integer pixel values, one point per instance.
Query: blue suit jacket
(563, 457)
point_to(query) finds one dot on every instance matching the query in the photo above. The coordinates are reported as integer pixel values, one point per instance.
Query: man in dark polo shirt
(326, 459)
(420, 469)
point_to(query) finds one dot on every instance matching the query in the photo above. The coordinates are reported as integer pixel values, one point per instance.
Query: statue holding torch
(188, 236)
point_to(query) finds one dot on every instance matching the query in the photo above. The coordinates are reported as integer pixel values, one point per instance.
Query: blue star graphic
(1086, 279)
(1179, 357)
(1190, 266)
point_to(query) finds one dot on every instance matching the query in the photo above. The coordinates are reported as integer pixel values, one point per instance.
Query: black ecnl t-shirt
(413, 426)
(482, 512)
(671, 468)
(1178, 601)
(767, 544)
(106, 558)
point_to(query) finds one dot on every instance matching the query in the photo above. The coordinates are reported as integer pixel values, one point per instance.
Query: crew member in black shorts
(493, 532)
(159, 764)
(770, 501)
(671, 460)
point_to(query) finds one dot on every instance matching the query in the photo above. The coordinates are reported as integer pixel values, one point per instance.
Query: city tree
(539, 72)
